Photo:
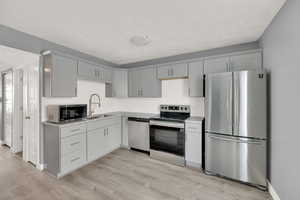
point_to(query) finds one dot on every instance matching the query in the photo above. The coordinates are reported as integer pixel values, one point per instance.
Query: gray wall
(281, 47)
(20, 40)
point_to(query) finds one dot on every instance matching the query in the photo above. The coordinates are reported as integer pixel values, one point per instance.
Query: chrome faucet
(91, 103)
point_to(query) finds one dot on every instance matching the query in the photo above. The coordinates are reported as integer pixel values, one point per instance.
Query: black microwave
(66, 113)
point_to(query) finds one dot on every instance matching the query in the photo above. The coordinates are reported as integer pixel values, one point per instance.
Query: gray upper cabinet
(144, 83)
(60, 75)
(216, 65)
(134, 83)
(249, 61)
(107, 76)
(93, 72)
(171, 71)
(87, 71)
(242, 61)
(196, 79)
(119, 86)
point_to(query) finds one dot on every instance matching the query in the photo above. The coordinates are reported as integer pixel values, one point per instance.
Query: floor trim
(272, 192)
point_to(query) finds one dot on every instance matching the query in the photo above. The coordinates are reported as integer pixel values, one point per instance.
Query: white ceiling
(103, 27)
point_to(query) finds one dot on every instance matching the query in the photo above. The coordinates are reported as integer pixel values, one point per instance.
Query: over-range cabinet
(235, 126)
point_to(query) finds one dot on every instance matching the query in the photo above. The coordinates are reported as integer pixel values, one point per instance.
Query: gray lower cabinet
(94, 72)
(70, 147)
(65, 148)
(196, 79)
(59, 75)
(171, 71)
(193, 144)
(103, 140)
(96, 140)
(144, 83)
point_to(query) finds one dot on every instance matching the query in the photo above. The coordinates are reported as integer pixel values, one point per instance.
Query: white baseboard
(193, 164)
(41, 167)
(272, 192)
(125, 146)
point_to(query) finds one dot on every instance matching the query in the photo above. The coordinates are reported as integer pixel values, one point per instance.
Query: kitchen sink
(98, 116)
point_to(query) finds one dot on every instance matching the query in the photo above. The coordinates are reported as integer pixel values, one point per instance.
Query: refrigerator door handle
(240, 140)
(229, 107)
(236, 119)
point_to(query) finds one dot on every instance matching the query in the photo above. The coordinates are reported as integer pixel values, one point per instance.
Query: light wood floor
(120, 175)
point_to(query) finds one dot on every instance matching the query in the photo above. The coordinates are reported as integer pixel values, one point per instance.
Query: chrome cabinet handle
(74, 130)
(72, 144)
(74, 159)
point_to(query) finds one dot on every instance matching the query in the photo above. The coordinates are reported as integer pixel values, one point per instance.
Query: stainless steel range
(167, 134)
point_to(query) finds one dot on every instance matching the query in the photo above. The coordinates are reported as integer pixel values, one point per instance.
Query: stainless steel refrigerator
(235, 126)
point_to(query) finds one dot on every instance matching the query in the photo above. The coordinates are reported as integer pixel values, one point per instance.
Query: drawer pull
(74, 159)
(74, 130)
(74, 143)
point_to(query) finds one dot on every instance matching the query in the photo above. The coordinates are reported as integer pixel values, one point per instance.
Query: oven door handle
(166, 124)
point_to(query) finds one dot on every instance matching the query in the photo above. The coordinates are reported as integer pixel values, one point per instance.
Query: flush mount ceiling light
(140, 40)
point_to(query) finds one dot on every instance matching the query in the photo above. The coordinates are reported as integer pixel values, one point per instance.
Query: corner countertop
(195, 119)
(113, 114)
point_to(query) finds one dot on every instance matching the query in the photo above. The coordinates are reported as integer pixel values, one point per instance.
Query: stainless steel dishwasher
(138, 133)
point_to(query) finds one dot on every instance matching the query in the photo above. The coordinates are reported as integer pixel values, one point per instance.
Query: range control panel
(175, 108)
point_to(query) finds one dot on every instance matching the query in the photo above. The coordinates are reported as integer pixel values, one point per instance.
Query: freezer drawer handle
(232, 140)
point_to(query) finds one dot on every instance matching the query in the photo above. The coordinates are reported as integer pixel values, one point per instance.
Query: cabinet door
(96, 144)
(164, 72)
(179, 70)
(114, 136)
(133, 84)
(193, 148)
(196, 79)
(87, 71)
(107, 76)
(119, 85)
(216, 65)
(151, 86)
(252, 61)
(64, 77)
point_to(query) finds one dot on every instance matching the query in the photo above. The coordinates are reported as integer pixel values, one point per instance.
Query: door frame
(36, 116)
(2, 107)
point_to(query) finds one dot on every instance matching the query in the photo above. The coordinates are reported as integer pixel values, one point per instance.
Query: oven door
(168, 137)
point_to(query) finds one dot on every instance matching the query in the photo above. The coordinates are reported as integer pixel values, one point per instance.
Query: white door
(7, 107)
(31, 114)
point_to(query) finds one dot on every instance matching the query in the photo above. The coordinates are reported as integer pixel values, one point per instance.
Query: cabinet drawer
(97, 124)
(73, 143)
(72, 130)
(72, 160)
(193, 128)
